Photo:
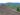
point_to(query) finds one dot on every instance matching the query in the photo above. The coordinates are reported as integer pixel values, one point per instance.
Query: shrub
(17, 8)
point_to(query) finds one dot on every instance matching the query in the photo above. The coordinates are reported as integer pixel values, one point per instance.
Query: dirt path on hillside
(8, 11)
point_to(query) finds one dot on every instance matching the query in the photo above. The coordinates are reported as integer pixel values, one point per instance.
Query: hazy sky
(6, 1)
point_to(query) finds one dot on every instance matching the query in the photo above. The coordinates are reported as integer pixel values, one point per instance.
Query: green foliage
(18, 9)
